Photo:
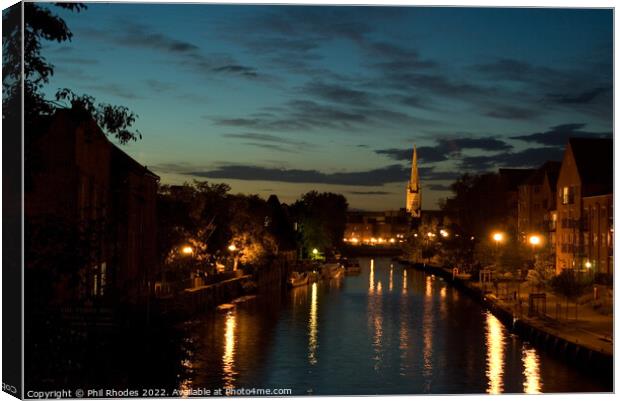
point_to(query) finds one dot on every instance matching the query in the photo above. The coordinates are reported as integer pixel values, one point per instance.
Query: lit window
(565, 195)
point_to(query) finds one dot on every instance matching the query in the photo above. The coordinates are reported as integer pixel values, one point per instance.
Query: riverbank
(206, 298)
(584, 349)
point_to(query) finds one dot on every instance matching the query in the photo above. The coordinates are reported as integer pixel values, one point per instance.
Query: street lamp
(444, 233)
(187, 250)
(535, 240)
(498, 237)
(315, 251)
(233, 248)
(588, 265)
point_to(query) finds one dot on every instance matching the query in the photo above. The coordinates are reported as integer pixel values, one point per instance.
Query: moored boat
(331, 270)
(352, 267)
(298, 279)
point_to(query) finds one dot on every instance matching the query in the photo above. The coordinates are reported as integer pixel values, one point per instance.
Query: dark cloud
(579, 98)
(559, 134)
(325, 104)
(272, 146)
(370, 193)
(436, 84)
(115, 90)
(431, 174)
(571, 88)
(159, 86)
(186, 54)
(375, 177)
(532, 157)
(136, 35)
(413, 101)
(77, 60)
(513, 112)
(439, 187)
(517, 71)
(396, 59)
(268, 140)
(446, 148)
(299, 115)
(337, 93)
(484, 143)
(237, 69)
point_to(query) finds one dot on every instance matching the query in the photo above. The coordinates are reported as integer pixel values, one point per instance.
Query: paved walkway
(584, 325)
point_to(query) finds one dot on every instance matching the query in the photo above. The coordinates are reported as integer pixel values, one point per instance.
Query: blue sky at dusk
(285, 99)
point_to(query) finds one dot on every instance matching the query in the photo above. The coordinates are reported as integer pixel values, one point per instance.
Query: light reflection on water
(228, 358)
(531, 371)
(415, 336)
(371, 279)
(427, 333)
(495, 354)
(313, 342)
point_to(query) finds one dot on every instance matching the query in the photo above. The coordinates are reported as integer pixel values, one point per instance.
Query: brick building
(99, 204)
(536, 206)
(585, 206)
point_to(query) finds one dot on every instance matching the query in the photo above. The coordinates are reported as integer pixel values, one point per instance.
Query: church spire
(414, 181)
(414, 195)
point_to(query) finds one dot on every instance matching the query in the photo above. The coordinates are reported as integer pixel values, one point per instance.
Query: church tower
(414, 195)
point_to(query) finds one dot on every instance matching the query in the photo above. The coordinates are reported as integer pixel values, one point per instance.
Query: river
(385, 331)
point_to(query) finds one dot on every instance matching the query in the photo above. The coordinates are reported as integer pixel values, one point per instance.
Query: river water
(385, 331)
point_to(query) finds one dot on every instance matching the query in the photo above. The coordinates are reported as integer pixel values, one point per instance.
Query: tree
(249, 229)
(40, 25)
(544, 268)
(279, 224)
(570, 285)
(322, 218)
(195, 214)
(478, 204)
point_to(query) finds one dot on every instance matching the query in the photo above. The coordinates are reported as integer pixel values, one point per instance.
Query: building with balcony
(536, 206)
(584, 198)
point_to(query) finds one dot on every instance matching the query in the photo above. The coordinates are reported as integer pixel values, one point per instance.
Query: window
(565, 195)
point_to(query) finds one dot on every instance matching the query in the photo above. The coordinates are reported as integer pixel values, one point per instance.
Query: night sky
(285, 99)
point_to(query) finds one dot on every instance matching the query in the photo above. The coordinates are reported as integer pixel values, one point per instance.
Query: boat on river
(351, 267)
(225, 307)
(331, 270)
(298, 279)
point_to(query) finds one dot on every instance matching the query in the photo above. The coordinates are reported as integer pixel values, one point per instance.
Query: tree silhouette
(41, 24)
(322, 217)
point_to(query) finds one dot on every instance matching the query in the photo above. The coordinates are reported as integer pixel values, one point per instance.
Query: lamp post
(187, 250)
(233, 248)
(534, 240)
(498, 238)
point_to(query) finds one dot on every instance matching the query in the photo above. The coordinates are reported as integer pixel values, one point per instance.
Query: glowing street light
(535, 240)
(498, 237)
(315, 251)
(232, 247)
(187, 250)
(588, 265)
(443, 233)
